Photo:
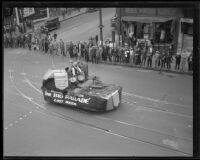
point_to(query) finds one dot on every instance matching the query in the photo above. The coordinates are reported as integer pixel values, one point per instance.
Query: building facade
(162, 26)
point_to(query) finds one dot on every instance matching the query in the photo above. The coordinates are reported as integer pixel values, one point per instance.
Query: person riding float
(76, 74)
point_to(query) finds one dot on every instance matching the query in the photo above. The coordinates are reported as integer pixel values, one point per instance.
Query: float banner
(81, 101)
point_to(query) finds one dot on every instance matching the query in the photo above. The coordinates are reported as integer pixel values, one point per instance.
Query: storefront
(185, 38)
(155, 29)
(159, 25)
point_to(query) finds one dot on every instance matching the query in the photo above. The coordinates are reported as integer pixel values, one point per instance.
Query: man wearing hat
(178, 60)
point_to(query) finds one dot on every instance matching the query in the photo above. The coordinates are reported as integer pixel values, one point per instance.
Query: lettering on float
(57, 95)
(58, 100)
(81, 100)
(71, 103)
(47, 94)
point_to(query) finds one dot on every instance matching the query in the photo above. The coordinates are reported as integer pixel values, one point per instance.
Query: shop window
(187, 28)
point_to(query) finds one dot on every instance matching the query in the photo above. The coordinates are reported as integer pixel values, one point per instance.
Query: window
(187, 28)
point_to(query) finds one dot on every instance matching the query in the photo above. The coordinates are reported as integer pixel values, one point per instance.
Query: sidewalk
(172, 70)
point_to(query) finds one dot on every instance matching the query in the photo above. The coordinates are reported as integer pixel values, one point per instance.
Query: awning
(186, 20)
(146, 19)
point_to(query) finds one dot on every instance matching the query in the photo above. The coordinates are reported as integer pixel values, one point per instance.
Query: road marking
(20, 118)
(134, 125)
(16, 121)
(143, 97)
(23, 95)
(29, 83)
(171, 143)
(30, 112)
(25, 115)
(6, 128)
(160, 110)
(190, 126)
(154, 100)
(143, 109)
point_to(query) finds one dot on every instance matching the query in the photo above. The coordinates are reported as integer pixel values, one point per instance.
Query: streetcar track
(153, 100)
(127, 102)
(159, 110)
(68, 118)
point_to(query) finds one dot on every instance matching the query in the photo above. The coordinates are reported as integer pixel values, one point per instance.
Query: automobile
(52, 23)
(92, 9)
(74, 87)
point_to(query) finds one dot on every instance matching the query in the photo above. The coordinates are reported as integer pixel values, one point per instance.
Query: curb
(133, 66)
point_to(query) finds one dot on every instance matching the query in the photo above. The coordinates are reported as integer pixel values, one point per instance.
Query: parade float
(73, 87)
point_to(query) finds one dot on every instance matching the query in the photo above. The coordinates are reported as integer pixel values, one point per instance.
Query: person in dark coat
(29, 41)
(138, 54)
(46, 45)
(55, 35)
(168, 60)
(149, 59)
(190, 62)
(71, 50)
(178, 61)
(93, 54)
(163, 60)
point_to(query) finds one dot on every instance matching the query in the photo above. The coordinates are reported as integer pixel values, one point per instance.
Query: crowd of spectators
(140, 55)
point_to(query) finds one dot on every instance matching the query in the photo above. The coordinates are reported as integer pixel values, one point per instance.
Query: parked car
(92, 9)
(52, 23)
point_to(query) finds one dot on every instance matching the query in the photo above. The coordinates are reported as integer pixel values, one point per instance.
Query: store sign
(186, 20)
(28, 11)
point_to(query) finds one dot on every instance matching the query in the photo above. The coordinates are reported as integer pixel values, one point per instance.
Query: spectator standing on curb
(163, 60)
(62, 47)
(177, 61)
(29, 41)
(85, 52)
(144, 56)
(138, 61)
(71, 50)
(149, 57)
(90, 52)
(190, 62)
(156, 59)
(55, 35)
(46, 45)
(168, 60)
(97, 55)
(93, 54)
(183, 60)
(131, 56)
(75, 51)
(100, 52)
(120, 55)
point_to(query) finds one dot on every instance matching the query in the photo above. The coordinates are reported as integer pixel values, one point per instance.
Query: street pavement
(155, 118)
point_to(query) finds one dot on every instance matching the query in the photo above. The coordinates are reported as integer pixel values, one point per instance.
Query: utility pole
(100, 26)
(120, 27)
(22, 16)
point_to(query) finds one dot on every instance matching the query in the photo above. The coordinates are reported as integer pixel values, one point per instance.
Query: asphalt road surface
(155, 118)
